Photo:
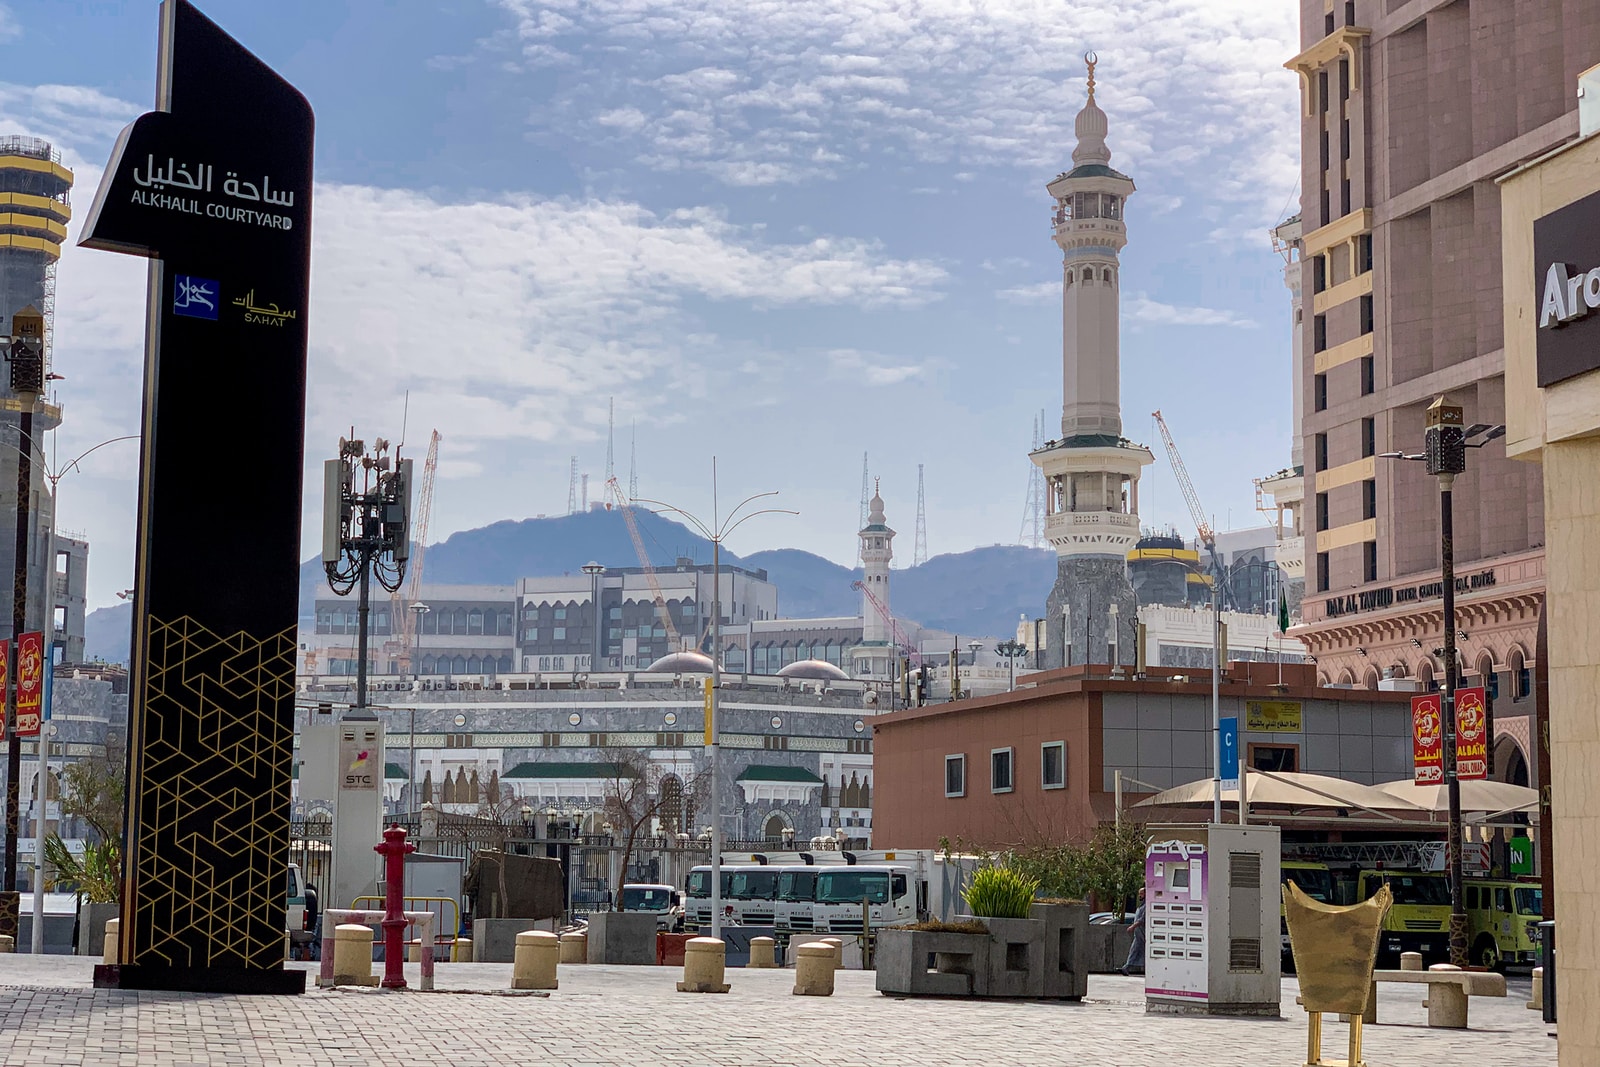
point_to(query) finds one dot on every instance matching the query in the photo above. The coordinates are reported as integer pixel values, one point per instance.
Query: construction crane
(1206, 535)
(614, 497)
(400, 614)
(900, 638)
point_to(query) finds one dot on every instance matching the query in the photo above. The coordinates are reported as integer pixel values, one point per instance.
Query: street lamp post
(716, 533)
(594, 571)
(1011, 650)
(1445, 441)
(418, 610)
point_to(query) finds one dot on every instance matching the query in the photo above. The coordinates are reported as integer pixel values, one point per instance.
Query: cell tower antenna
(866, 493)
(919, 553)
(1032, 533)
(572, 488)
(633, 462)
(611, 435)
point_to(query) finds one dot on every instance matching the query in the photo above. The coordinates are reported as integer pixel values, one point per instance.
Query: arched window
(505, 665)
(475, 621)
(474, 665)
(773, 831)
(1521, 676)
(1425, 675)
(1108, 275)
(1088, 276)
(460, 622)
(1072, 276)
(459, 665)
(1371, 680)
(1346, 677)
(504, 624)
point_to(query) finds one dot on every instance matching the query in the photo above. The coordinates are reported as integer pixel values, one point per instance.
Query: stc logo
(359, 774)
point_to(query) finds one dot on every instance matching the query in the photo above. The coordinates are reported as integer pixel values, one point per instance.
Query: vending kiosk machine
(1211, 920)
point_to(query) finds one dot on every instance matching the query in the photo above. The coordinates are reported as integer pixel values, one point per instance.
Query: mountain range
(982, 591)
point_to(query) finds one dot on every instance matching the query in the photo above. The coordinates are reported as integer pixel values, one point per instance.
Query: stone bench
(1448, 990)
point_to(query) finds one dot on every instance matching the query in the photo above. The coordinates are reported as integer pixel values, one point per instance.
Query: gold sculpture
(1335, 949)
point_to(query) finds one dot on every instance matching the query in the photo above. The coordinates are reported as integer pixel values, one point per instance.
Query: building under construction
(35, 207)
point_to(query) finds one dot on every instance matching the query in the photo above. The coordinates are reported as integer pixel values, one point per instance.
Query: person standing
(1135, 961)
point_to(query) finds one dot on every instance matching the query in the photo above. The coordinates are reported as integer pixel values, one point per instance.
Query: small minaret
(877, 549)
(1092, 473)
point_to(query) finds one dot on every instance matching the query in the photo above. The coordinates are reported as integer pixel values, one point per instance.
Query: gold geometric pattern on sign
(212, 783)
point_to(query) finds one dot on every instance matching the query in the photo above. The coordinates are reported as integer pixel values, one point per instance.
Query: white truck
(663, 901)
(881, 894)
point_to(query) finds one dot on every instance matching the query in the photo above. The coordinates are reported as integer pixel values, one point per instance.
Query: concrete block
(537, 954)
(762, 952)
(111, 941)
(92, 920)
(813, 970)
(622, 937)
(1108, 946)
(1066, 949)
(461, 951)
(1016, 958)
(574, 947)
(495, 940)
(959, 963)
(1411, 961)
(704, 965)
(352, 955)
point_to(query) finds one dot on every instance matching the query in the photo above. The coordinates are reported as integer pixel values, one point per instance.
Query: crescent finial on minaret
(1091, 59)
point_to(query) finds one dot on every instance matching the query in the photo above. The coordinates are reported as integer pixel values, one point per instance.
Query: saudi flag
(1283, 612)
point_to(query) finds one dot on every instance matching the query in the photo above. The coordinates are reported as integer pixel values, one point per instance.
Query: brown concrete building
(1039, 764)
(1412, 109)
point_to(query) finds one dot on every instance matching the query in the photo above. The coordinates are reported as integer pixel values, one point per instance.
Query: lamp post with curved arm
(716, 532)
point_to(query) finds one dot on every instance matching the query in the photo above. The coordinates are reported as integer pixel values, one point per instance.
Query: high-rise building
(1287, 488)
(35, 206)
(1092, 472)
(1410, 113)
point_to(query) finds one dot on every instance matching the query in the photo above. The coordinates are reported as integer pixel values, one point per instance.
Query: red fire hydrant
(394, 849)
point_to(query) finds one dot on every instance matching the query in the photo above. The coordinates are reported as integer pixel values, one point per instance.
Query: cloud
(1141, 309)
(1038, 293)
(868, 368)
(743, 90)
(68, 116)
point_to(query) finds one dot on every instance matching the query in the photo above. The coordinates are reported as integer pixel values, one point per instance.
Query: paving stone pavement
(50, 1016)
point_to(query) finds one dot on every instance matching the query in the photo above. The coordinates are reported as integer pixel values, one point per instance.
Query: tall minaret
(877, 549)
(1092, 472)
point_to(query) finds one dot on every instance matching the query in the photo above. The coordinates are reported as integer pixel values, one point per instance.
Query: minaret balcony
(1290, 555)
(1096, 533)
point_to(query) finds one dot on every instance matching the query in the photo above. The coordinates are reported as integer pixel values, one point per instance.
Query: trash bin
(1547, 959)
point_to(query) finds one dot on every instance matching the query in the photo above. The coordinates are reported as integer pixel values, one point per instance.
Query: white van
(662, 901)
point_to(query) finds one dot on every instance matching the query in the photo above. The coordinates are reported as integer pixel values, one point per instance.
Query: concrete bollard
(7, 943)
(535, 958)
(414, 950)
(838, 950)
(352, 955)
(813, 970)
(704, 962)
(1411, 961)
(1447, 1002)
(575, 947)
(1536, 1001)
(461, 951)
(112, 953)
(763, 952)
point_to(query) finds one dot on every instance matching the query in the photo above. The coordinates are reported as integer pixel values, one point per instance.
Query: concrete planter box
(1066, 949)
(1108, 946)
(622, 937)
(92, 920)
(960, 963)
(1016, 957)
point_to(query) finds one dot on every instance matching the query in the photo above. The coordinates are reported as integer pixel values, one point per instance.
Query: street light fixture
(1445, 441)
(1011, 650)
(716, 532)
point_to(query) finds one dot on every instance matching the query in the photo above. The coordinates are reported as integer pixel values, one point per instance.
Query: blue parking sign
(1230, 753)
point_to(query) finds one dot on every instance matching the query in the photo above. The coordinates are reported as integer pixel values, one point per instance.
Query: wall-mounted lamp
(1362, 651)
(1416, 642)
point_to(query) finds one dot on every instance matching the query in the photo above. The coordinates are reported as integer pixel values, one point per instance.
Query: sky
(781, 234)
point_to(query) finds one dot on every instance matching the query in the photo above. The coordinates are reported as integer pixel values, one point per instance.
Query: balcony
(1092, 533)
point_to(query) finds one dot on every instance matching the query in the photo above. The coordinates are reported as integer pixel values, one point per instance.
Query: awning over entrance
(1286, 789)
(1496, 798)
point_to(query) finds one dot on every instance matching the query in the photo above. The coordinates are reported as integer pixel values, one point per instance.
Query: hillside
(980, 591)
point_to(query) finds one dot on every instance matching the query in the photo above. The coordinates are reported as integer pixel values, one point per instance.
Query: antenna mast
(633, 462)
(1032, 533)
(611, 434)
(866, 494)
(919, 552)
(572, 488)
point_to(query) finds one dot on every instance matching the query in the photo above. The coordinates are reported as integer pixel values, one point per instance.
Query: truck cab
(1502, 922)
(887, 891)
(1419, 920)
(661, 900)
(754, 895)
(797, 895)
(1315, 880)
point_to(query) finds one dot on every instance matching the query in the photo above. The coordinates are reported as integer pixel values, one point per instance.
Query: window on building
(1369, 499)
(1368, 376)
(1349, 12)
(1327, 26)
(558, 633)
(560, 613)
(1277, 759)
(1320, 451)
(1000, 768)
(1053, 764)
(1369, 561)
(1366, 314)
(1319, 392)
(1322, 572)
(955, 776)
(1344, 186)
(1369, 439)
(1319, 273)
(1363, 253)
(60, 620)
(1319, 333)
(1322, 512)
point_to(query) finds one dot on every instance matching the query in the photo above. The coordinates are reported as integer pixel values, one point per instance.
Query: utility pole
(25, 350)
(365, 530)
